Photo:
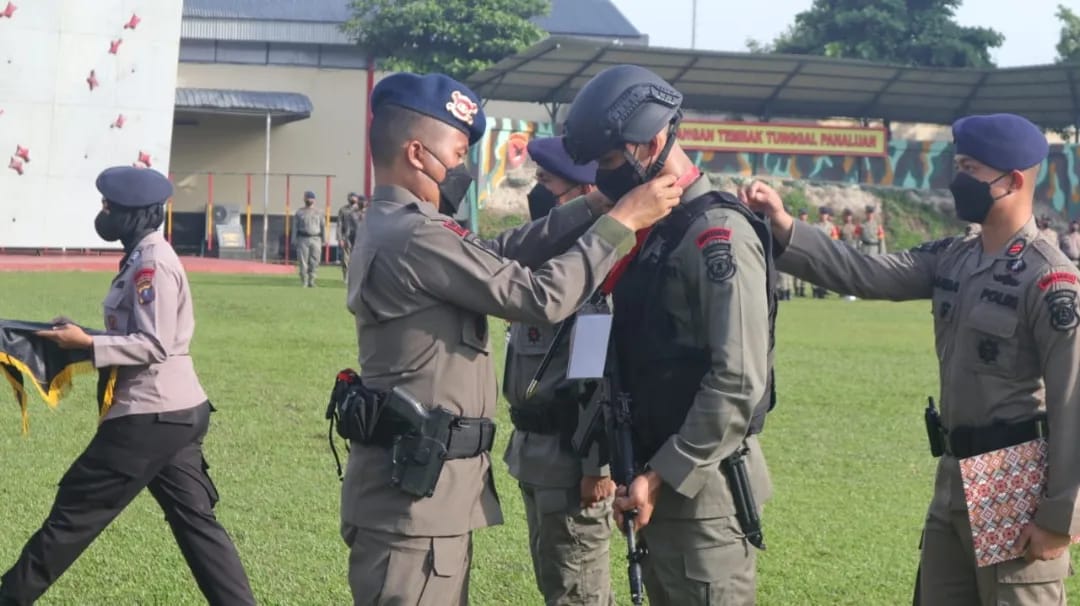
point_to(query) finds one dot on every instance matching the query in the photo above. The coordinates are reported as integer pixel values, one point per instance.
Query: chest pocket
(531, 339)
(117, 308)
(474, 332)
(993, 340)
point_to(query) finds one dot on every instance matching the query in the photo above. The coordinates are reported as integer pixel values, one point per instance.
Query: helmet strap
(648, 174)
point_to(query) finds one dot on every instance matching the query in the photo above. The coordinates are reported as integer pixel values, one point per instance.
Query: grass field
(846, 448)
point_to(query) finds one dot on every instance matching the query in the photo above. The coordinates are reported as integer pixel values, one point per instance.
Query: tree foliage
(1068, 46)
(455, 37)
(904, 32)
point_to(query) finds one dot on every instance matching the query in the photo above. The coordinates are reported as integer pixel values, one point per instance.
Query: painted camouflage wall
(505, 171)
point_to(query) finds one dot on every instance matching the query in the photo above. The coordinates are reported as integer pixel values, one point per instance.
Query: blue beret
(550, 154)
(824, 210)
(309, 194)
(436, 95)
(1001, 141)
(131, 187)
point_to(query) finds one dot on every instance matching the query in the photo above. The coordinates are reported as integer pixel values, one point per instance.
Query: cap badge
(462, 107)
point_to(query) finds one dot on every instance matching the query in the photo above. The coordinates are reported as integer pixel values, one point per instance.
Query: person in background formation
(872, 233)
(310, 233)
(567, 499)
(1070, 242)
(349, 218)
(825, 226)
(1006, 318)
(849, 230)
(785, 283)
(692, 331)
(1046, 231)
(153, 425)
(420, 288)
(798, 283)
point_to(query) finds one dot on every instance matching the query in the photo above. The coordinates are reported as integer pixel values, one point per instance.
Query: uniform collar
(1020, 241)
(400, 195)
(699, 187)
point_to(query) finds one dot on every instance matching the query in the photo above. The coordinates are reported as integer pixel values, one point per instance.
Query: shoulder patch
(715, 234)
(1016, 248)
(1056, 277)
(455, 227)
(144, 285)
(1063, 312)
(719, 262)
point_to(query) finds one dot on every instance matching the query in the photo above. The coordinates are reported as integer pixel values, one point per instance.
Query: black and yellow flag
(25, 357)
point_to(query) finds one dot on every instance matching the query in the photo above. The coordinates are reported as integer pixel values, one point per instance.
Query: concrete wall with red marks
(84, 85)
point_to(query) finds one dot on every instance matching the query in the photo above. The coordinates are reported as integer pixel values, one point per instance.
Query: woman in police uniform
(154, 411)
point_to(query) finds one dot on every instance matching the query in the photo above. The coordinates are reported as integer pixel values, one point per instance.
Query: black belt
(469, 436)
(964, 441)
(537, 419)
(303, 235)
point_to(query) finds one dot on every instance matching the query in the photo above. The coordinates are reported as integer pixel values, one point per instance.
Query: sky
(1030, 35)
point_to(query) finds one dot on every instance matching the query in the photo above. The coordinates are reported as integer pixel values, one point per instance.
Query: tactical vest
(661, 376)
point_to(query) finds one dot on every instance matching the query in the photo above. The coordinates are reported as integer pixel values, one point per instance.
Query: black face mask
(972, 197)
(617, 182)
(542, 200)
(109, 226)
(453, 187)
(129, 226)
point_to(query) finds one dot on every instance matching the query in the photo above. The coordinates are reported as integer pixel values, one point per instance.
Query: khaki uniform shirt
(717, 301)
(349, 218)
(827, 228)
(149, 321)
(309, 223)
(849, 233)
(421, 287)
(1005, 326)
(1050, 234)
(540, 459)
(870, 232)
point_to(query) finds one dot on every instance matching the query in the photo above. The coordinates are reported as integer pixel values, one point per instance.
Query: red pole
(287, 196)
(326, 242)
(367, 140)
(209, 212)
(247, 230)
(168, 215)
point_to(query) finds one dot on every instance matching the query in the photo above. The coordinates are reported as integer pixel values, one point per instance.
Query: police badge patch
(719, 263)
(144, 285)
(1063, 314)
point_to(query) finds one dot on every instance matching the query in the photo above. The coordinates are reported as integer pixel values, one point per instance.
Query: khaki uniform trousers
(569, 547)
(948, 575)
(307, 256)
(387, 568)
(699, 563)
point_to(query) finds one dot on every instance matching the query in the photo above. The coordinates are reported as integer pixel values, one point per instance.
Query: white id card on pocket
(589, 343)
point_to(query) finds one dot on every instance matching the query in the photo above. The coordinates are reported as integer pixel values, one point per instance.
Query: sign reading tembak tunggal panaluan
(782, 138)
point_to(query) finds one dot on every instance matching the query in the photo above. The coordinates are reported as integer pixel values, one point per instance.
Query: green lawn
(846, 448)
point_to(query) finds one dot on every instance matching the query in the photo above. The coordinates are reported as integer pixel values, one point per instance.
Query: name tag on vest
(589, 343)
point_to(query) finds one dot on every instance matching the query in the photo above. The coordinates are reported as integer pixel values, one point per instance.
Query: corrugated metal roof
(287, 106)
(570, 17)
(321, 11)
(262, 31)
(554, 70)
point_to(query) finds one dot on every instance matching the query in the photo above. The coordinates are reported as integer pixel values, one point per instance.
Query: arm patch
(1063, 312)
(144, 285)
(719, 262)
